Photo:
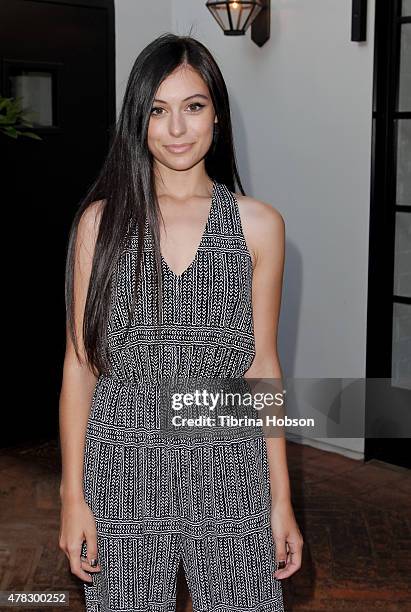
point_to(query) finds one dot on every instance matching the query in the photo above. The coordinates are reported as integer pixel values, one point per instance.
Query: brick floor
(354, 517)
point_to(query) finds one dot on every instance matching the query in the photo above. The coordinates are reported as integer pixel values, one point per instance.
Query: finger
(86, 565)
(280, 551)
(288, 554)
(91, 559)
(75, 564)
(292, 567)
(293, 563)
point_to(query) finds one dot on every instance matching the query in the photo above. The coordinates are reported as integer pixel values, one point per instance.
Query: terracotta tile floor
(355, 520)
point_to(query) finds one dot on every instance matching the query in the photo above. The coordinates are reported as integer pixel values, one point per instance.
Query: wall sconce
(236, 16)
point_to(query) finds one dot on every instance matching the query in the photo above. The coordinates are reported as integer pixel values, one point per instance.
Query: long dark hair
(126, 185)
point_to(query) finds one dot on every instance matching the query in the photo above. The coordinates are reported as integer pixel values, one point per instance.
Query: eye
(155, 108)
(197, 104)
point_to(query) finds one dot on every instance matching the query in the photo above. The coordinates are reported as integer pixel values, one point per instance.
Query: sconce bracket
(359, 20)
(260, 28)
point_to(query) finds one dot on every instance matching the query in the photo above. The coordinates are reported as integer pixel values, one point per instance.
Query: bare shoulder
(90, 219)
(263, 225)
(88, 226)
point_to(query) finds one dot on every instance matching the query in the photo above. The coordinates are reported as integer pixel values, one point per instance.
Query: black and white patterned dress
(157, 500)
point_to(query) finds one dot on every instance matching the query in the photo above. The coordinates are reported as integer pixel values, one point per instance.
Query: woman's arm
(269, 252)
(78, 381)
(77, 523)
(266, 239)
(75, 400)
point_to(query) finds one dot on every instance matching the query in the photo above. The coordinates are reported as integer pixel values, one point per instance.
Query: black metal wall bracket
(260, 28)
(359, 20)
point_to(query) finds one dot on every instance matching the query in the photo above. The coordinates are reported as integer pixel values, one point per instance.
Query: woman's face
(182, 114)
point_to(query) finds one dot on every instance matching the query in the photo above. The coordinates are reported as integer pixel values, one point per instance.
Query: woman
(200, 299)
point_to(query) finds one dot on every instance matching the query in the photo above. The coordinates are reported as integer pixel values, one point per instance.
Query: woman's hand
(78, 524)
(287, 537)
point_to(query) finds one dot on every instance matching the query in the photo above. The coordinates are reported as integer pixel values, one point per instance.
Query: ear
(216, 119)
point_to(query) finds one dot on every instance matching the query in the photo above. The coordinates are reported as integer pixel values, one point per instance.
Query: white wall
(301, 109)
(137, 23)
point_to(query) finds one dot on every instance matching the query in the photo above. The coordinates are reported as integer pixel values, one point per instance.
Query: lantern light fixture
(236, 16)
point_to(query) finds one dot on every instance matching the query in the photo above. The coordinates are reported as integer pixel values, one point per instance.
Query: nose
(177, 125)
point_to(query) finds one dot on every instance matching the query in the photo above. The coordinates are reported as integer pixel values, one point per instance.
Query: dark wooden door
(59, 58)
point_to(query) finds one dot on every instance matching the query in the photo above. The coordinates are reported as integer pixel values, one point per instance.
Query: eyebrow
(198, 95)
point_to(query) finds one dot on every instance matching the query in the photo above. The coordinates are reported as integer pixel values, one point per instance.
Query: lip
(179, 148)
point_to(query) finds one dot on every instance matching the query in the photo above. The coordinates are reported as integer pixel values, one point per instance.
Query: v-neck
(205, 231)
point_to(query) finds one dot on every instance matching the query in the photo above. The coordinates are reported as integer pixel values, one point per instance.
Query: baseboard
(326, 446)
